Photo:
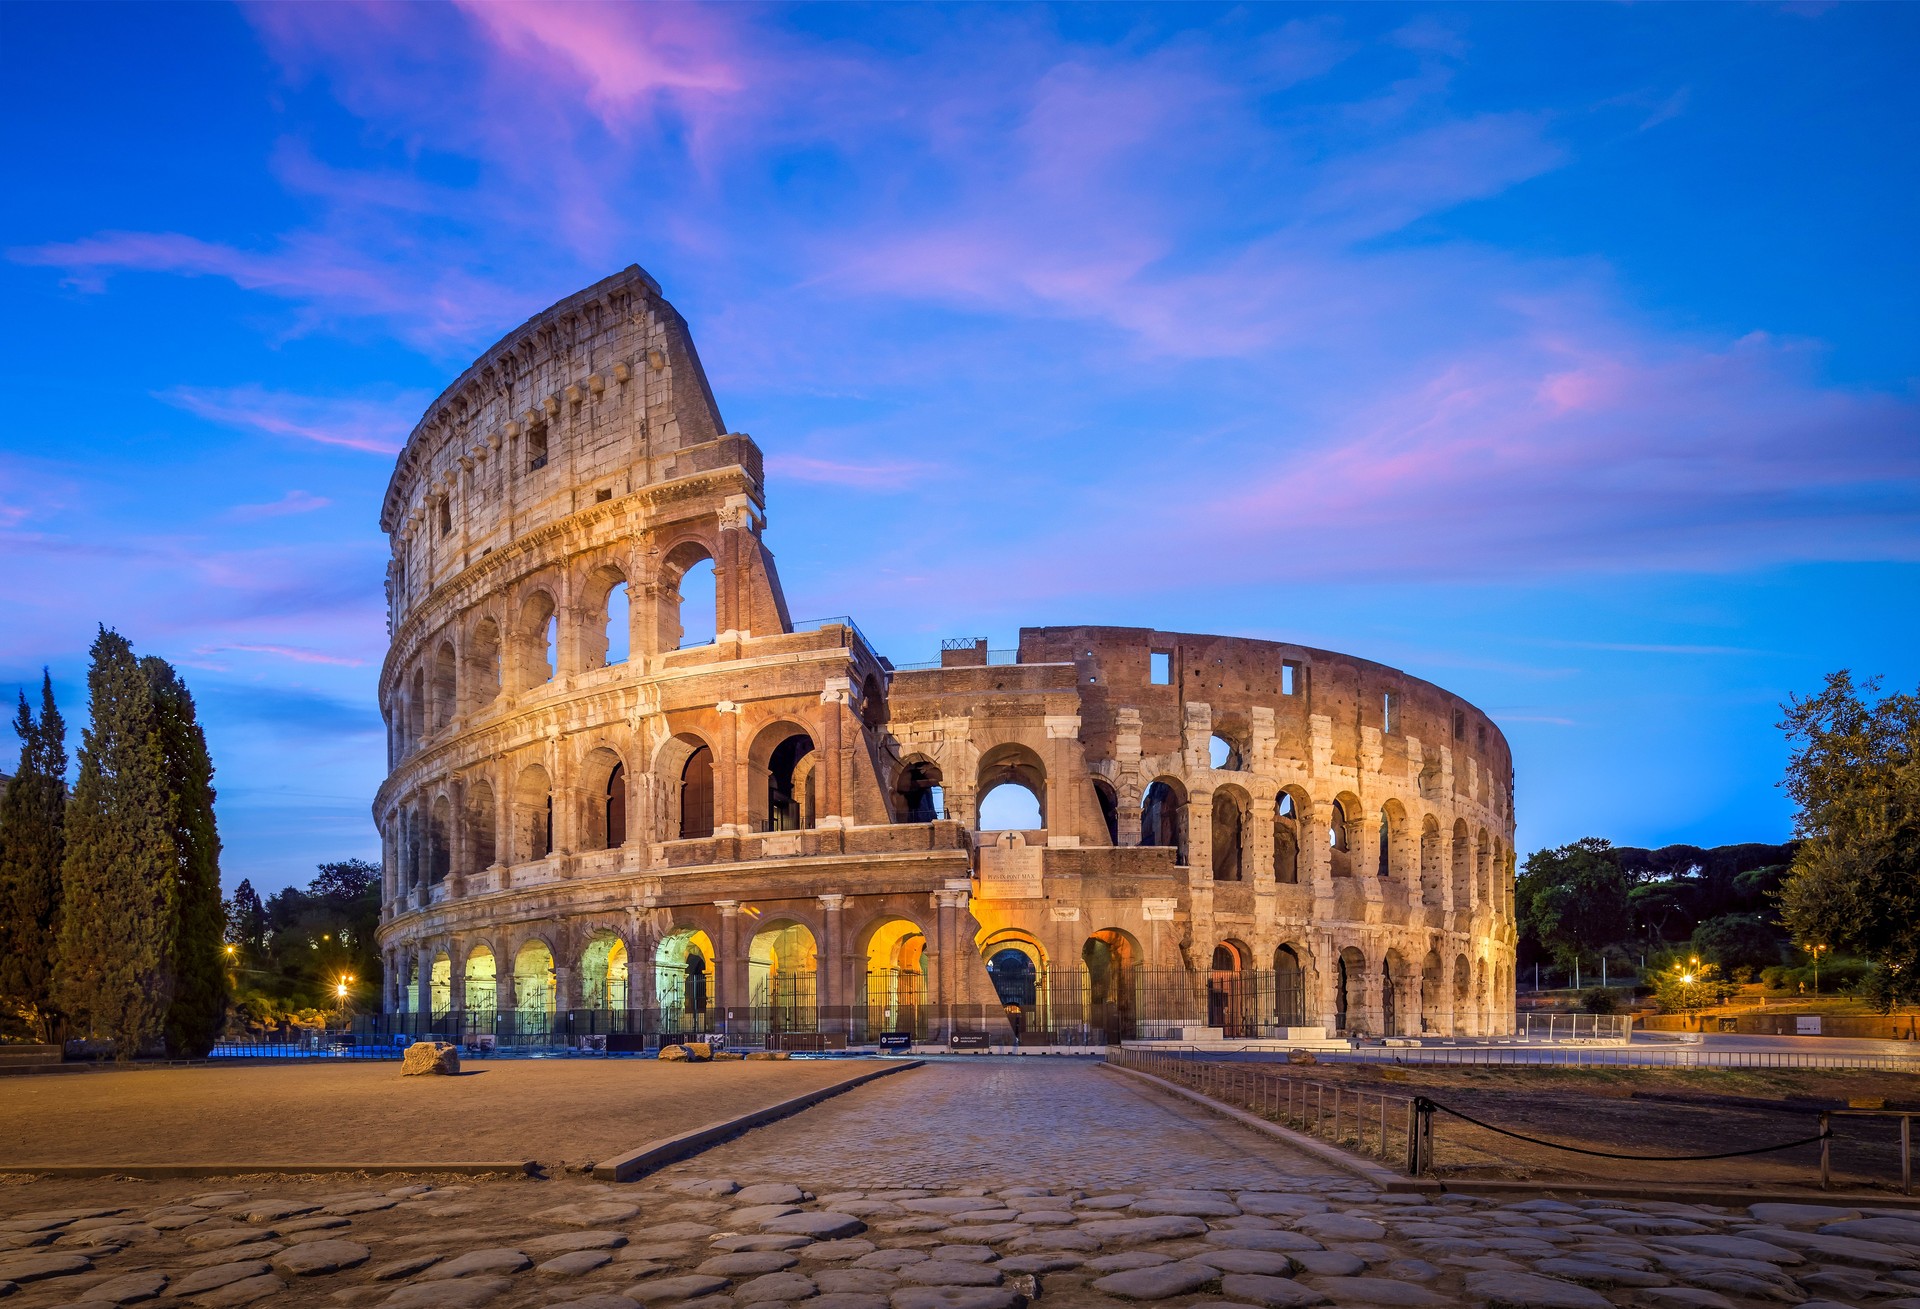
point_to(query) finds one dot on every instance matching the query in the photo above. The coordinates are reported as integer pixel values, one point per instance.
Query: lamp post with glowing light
(1816, 951)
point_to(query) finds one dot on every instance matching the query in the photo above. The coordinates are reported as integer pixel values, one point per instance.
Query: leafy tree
(1575, 899)
(199, 995)
(32, 845)
(119, 873)
(1738, 943)
(247, 920)
(309, 939)
(1688, 987)
(1855, 880)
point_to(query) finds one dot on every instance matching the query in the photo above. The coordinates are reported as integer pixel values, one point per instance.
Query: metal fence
(1574, 1027)
(1628, 1057)
(1379, 1123)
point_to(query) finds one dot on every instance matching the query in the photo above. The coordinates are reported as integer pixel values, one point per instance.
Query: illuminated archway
(782, 977)
(683, 980)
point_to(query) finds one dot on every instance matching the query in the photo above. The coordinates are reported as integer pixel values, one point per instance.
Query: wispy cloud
(877, 476)
(375, 426)
(295, 653)
(293, 502)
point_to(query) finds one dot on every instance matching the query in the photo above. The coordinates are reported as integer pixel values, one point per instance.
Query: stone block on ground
(314, 1258)
(498, 1260)
(574, 1263)
(768, 1054)
(465, 1293)
(1529, 1291)
(1270, 1292)
(957, 1297)
(1160, 1282)
(248, 1290)
(430, 1058)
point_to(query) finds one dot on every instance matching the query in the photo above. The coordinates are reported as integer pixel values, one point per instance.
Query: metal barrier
(1906, 1118)
(1380, 1123)
(1625, 1057)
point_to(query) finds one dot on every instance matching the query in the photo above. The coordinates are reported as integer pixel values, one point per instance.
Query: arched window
(1163, 819)
(538, 640)
(1109, 808)
(417, 709)
(918, 794)
(480, 838)
(1340, 841)
(790, 784)
(619, 624)
(1012, 790)
(483, 664)
(1226, 838)
(1386, 844)
(533, 813)
(699, 605)
(1286, 841)
(696, 795)
(439, 848)
(443, 686)
(617, 807)
(1223, 753)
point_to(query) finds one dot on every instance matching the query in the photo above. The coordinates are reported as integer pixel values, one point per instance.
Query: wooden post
(1906, 1153)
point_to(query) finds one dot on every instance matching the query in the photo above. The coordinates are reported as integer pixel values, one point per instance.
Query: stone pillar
(831, 791)
(456, 977)
(947, 906)
(730, 969)
(1200, 837)
(503, 999)
(830, 981)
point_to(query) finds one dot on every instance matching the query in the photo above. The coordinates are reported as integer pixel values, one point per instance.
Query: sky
(1565, 355)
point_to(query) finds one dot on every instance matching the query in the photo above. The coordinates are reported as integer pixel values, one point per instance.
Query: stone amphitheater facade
(596, 820)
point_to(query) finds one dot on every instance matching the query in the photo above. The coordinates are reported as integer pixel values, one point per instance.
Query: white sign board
(1807, 1025)
(1010, 869)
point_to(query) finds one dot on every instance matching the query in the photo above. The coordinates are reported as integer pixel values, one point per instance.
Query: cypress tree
(119, 877)
(199, 992)
(32, 843)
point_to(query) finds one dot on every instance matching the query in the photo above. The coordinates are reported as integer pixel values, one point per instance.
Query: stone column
(830, 797)
(830, 979)
(730, 969)
(456, 977)
(947, 904)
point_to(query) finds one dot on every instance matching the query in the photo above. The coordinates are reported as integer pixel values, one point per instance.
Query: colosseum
(629, 796)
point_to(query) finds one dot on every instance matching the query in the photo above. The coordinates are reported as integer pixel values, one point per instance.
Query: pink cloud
(293, 502)
(375, 426)
(866, 476)
(296, 653)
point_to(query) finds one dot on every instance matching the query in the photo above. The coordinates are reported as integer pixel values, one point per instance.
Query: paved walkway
(1012, 1122)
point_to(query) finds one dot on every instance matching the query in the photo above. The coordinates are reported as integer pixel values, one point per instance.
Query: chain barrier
(1427, 1107)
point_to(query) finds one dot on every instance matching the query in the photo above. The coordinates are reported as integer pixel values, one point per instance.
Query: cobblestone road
(1008, 1122)
(965, 1186)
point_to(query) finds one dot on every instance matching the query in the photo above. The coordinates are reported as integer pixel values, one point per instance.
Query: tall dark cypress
(199, 919)
(113, 974)
(32, 843)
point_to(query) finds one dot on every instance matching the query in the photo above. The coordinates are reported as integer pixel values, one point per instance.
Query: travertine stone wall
(542, 796)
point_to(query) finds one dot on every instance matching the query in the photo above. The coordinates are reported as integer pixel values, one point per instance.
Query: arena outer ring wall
(774, 833)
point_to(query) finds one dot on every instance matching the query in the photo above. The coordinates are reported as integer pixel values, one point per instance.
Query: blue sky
(1563, 355)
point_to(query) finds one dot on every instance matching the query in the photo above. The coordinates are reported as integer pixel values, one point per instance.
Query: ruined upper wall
(1236, 675)
(585, 401)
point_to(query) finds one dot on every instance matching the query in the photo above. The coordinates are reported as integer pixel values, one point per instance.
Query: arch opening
(1286, 839)
(918, 796)
(1340, 840)
(604, 972)
(1111, 962)
(895, 978)
(533, 813)
(695, 793)
(480, 831)
(482, 981)
(535, 986)
(1109, 802)
(683, 980)
(483, 664)
(1227, 854)
(1289, 988)
(1012, 788)
(1163, 818)
(790, 791)
(782, 977)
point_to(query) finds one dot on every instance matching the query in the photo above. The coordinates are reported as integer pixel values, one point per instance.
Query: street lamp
(1816, 951)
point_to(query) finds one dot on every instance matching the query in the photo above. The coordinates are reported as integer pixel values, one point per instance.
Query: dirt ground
(559, 1112)
(1650, 1112)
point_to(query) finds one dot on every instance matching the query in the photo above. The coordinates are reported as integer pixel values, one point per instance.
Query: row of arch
(1457, 865)
(1383, 993)
(533, 641)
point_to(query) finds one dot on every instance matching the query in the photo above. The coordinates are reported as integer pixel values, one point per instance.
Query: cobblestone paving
(1263, 1232)
(1008, 1123)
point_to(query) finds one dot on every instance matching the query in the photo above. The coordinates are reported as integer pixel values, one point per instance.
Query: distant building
(598, 818)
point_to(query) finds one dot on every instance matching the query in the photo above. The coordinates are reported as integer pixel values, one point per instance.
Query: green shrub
(1599, 1000)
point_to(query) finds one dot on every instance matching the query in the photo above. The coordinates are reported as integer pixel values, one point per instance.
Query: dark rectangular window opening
(1291, 674)
(1160, 668)
(536, 449)
(446, 514)
(603, 495)
(1390, 713)
(1459, 724)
